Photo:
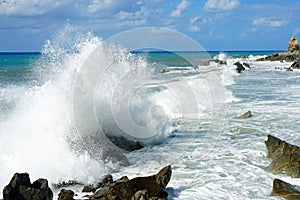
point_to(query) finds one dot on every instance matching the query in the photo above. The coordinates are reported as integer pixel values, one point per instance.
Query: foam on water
(39, 122)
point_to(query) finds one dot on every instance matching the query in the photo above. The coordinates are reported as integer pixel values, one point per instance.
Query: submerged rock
(241, 67)
(285, 190)
(286, 157)
(245, 115)
(150, 187)
(20, 188)
(221, 62)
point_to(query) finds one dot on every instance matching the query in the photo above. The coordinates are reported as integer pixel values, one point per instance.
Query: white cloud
(221, 5)
(198, 22)
(28, 7)
(180, 8)
(269, 22)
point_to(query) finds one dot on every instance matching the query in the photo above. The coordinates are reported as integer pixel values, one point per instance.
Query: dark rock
(287, 56)
(101, 193)
(66, 195)
(66, 184)
(246, 65)
(296, 65)
(20, 188)
(89, 188)
(245, 115)
(124, 143)
(128, 189)
(274, 146)
(151, 187)
(221, 62)
(285, 190)
(239, 67)
(286, 157)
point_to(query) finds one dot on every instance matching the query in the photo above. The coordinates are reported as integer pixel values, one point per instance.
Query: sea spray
(40, 132)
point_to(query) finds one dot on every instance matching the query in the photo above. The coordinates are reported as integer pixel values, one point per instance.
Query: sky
(26, 25)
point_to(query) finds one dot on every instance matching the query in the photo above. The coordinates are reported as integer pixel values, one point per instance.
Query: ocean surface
(184, 113)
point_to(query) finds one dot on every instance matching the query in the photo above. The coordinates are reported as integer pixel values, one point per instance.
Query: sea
(183, 109)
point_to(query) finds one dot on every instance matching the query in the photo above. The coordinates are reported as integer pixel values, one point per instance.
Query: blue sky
(25, 25)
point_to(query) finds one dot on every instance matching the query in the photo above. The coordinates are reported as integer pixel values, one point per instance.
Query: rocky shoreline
(292, 54)
(285, 160)
(139, 188)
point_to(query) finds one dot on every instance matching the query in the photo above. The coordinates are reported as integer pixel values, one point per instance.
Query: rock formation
(245, 115)
(20, 188)
(285, 190)
(287, 56)
(151, 187)
(66, 195)
(293, 44)
(286, 157)
(241, 67)
(290, 55)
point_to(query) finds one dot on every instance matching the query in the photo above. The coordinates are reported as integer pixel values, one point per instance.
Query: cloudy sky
(25, 25)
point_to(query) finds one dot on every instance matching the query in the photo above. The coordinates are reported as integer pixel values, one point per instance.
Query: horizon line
(157, 51)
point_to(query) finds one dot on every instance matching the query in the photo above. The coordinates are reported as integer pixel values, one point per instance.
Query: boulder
(66, 195)
(245, 115)
(239, 67)
(285, 190)
(286, 157)
(150, 187)
(20, 188)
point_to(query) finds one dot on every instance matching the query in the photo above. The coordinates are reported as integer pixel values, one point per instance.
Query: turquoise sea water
(193, 114)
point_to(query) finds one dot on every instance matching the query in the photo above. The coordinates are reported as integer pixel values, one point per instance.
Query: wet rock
(245, 115)
(89, 188)
(296, 65)
(274, 146)
(239, 67)
(66, 184)
(66, 195)
(246, 65)
(20, 188)
(285, 190)
(151, 187)
(288, 164)
(221, 62)
(287, 56)
(286, 157)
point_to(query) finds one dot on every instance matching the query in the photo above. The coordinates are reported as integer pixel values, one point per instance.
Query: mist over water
(37, 120)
